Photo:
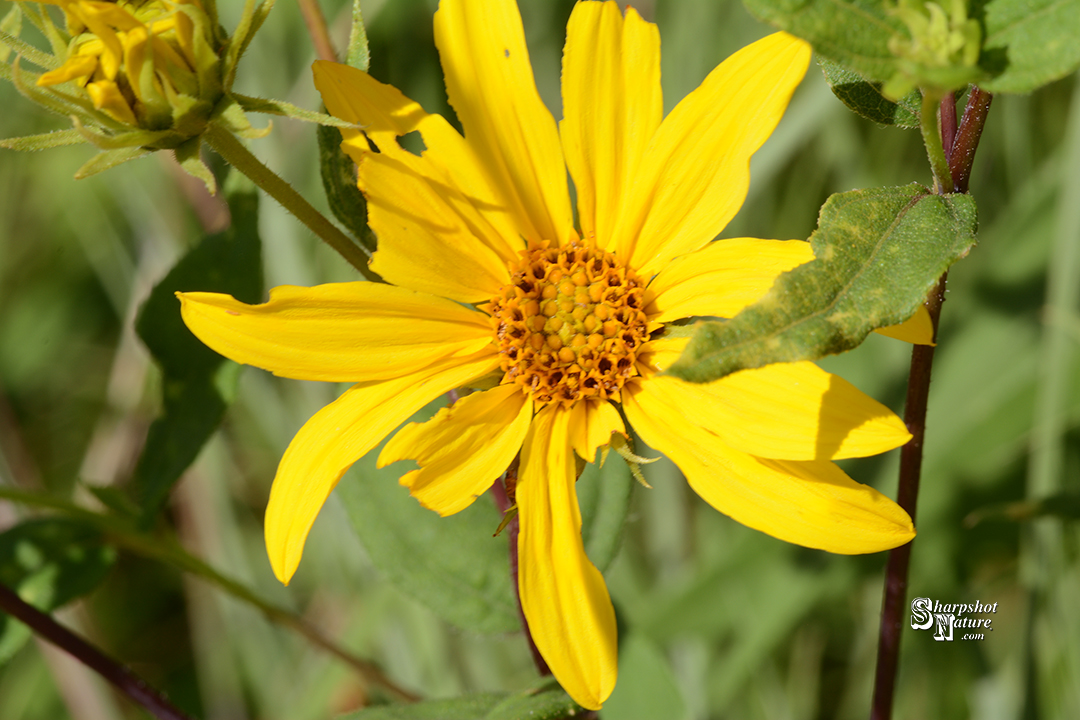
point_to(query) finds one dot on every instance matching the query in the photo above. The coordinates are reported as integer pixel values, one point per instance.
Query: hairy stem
(499, 491)
(234, 153)
(125, 681)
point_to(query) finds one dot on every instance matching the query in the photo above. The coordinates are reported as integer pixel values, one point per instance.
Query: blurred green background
(717, 621)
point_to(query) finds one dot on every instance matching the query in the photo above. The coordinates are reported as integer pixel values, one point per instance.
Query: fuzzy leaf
(1026, 43)
(197, 383)
(1029, 43)
(339, 182)
(864, 97)
(876, 255)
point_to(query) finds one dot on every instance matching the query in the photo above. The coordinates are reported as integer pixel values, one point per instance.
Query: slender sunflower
(492, 286)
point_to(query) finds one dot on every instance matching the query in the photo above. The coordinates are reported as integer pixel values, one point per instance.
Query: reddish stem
(504, 503)
(125, 681)
(962, 153)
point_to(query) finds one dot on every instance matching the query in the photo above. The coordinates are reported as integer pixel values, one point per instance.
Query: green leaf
(604, 497)
(646, 689)
(1026, 43)
(877, 253)
(854, 33)
(339, 181)
(48, 563)
(548, 704)
(196, 381)
(452, 565)
(864, 97)
(467, 707)
(1029, 43)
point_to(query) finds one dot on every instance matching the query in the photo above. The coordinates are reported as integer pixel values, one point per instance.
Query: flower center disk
(569, 324)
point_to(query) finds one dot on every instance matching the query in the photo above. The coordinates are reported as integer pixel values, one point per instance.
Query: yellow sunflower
(492, 286)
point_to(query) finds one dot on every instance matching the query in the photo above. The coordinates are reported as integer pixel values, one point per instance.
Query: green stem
(169, 551)
(931, 134)
(234, 153)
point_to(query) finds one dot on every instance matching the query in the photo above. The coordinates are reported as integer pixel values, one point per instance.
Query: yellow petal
(490, 85)
(77, 66)
(787, 411)
(697, 167)
(336, 437)
(808, 503)
(340, 332)
(463, 449)
(591, 425)
(443, 226)
(917, 330)
(563, 595)
(107, 97)
(722, 278)
(612, 106)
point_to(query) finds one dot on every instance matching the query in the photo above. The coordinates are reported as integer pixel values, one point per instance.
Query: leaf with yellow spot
(877, 253)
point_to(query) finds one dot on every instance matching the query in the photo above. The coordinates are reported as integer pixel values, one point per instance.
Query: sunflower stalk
(234, 153)
(957, 147)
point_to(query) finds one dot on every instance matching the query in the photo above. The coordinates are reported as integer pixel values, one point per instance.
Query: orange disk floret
(570, 323)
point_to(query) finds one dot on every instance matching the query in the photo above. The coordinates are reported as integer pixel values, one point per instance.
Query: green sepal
(338, 173)
(189, 156)
(10, 26)
(230, 116)
(44, 141)
(358, 55)
(58, 40)
(877, 253)
(251, 19)
(197, 383)
(133, 138)
(29, 52)
(865, 97)
(279, 107)
(109, 159)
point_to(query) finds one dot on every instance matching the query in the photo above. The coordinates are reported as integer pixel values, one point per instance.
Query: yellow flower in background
(139, 61)
(492, 286)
